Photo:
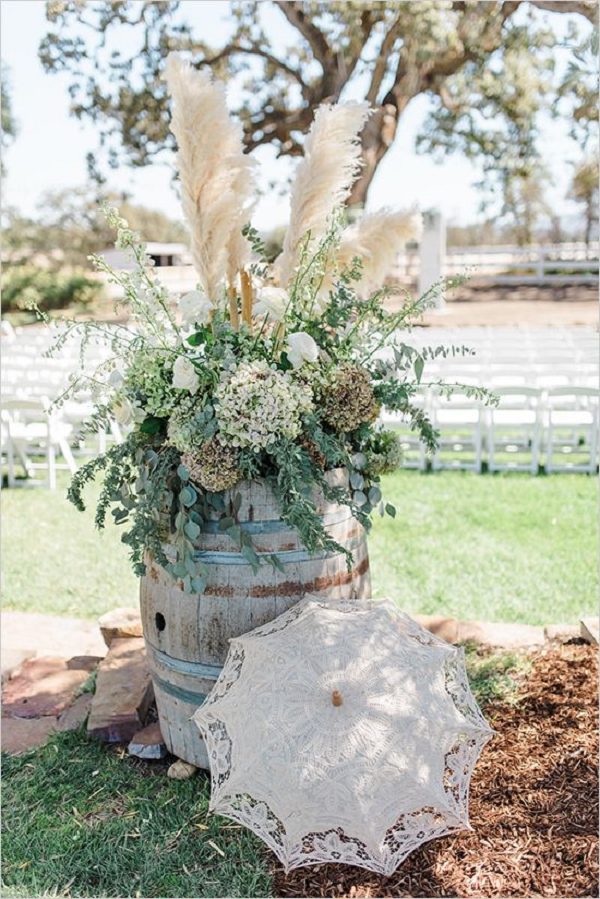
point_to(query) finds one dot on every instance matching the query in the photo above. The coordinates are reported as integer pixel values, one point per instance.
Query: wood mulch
(533, 807)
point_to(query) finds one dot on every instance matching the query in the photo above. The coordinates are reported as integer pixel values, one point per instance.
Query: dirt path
(533, 803)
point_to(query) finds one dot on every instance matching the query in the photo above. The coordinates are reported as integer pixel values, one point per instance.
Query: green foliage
(486, 69)
(24, 287)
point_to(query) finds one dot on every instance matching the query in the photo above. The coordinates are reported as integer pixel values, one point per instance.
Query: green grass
(77, 818)
(491, 547)
(84, 820)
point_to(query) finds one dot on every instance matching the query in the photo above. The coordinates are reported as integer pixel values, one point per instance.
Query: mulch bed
(533, 807)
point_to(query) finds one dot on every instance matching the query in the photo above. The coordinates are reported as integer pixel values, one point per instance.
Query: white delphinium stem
(323, 179)
(216, 176)
(377, 239)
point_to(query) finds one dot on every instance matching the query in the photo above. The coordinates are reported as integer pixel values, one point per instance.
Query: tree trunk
(589, 220)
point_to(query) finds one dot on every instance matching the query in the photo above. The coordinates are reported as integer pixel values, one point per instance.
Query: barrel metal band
(178, 692)
(182, 666)
(286, 557)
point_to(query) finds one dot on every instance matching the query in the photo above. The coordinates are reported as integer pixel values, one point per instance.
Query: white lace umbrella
(343, 732)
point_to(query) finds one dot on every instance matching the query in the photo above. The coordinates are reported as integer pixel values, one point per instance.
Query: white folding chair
(458, 418)
(413, 451)
(514, 430)
(33, 433)
(571, 429)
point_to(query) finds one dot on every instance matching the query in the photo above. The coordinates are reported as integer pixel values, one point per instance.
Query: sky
(50, 149)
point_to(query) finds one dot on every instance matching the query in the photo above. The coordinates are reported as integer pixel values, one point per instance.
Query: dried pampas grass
(217, 178)
(377, 239)
(323, 179)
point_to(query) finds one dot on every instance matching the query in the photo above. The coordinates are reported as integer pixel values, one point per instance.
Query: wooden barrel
(187, 635)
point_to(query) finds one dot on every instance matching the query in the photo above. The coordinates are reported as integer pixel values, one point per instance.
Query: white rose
(195, 308)
(272, 301)
(301, 348)
(184, 375)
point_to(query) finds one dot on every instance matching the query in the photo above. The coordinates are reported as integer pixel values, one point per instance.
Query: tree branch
(380, 68)
(587, 8)
(254, 50)
(295, 15)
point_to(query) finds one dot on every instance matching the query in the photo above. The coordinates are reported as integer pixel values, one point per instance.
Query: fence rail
(565, 263)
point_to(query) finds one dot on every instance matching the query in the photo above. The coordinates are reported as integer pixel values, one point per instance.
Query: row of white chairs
(528, 429)
(35, 437)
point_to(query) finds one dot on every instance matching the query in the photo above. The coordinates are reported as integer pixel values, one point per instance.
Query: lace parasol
(343, 732)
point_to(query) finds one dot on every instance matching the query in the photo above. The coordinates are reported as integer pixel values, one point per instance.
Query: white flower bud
(185, 376)
(301, 348)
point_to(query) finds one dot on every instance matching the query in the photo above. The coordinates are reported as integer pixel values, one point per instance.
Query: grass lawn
(504, 547)
(83, 819)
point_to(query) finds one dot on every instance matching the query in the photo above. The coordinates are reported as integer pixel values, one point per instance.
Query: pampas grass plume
(323, 178)
(377, 238)
(217, 178)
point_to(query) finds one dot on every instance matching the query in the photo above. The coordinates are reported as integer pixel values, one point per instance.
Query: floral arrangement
(264, 371)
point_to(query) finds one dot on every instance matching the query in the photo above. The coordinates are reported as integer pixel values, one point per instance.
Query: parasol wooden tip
(336, 697)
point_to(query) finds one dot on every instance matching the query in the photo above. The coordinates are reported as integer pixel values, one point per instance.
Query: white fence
(564, 263)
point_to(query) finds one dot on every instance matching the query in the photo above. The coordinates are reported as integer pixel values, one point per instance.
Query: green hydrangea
(259, 405)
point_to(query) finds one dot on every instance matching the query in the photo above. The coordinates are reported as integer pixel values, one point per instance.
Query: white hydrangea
(258, 405)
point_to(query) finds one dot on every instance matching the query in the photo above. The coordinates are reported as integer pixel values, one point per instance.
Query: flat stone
(148, 743)
(123, 622)
(12, 659)
(500, 634)
(444, 628)
(19, 735)
(51, 635)
(76, 714)
(123, 692)
(181, 770)
(589, 628)
(562, 633)
(45, 686)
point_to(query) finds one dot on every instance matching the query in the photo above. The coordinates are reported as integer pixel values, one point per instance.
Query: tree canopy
(487, 66)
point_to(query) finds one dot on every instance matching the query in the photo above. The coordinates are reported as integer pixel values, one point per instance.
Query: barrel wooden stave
(187, 635)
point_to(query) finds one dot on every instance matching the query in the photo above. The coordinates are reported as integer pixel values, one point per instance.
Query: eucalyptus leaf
(390, 510)
(374, 495)
(188, 496)
(356, 480)
(192, 530)
(183, 473)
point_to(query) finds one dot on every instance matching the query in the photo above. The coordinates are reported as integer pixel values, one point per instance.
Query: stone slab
(148, 743)
(76, 714)
(486, 633)
(123, 692)
(122, 622)
(18, 735)
(562, 633)
(500, 634)
(12, 659)
(46, 686)
(444, 628)
(589, 630)
(50, 635)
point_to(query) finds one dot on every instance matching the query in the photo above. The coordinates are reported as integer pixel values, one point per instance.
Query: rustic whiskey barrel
(187, 635)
